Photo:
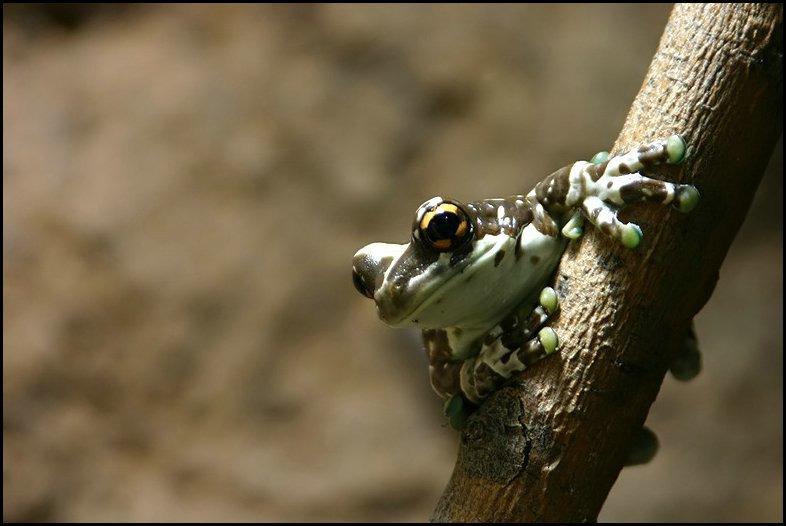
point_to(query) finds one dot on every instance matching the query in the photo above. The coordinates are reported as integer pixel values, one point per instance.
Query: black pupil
(443, 226)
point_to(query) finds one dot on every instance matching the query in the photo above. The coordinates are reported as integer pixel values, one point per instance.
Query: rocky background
(184, 189)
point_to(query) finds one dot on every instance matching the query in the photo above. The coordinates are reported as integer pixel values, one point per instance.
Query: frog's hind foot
(686, 364)
(511, 351)
(485, 373)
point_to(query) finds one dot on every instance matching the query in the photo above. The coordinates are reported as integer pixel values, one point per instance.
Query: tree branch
(550, 447)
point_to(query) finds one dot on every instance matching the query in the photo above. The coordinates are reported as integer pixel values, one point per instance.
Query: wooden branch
(550, 447)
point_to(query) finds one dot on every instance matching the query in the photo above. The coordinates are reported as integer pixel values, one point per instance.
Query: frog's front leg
(600, 188)
(603, 188)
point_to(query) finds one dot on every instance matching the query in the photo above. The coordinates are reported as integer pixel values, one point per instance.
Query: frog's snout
(369, 265)
(362, 281)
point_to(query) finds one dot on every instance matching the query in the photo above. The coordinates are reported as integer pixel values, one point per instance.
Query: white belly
(479, 298)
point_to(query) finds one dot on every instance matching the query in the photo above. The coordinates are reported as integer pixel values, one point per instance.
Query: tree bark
(550, 446)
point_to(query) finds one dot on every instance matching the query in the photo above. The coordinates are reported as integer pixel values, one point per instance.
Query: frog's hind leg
(484, 373)
(512, 350)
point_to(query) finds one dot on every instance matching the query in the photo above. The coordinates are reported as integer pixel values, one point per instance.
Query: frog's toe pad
(631, 235)
(600, 158)
(675, 149)
(643, 447)
(686, 366)
(573, 233)
(457, 409)
(574, 228)
(548, 339)
(549, 300)
(687, 198)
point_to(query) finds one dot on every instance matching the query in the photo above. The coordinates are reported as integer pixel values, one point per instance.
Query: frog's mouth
(403, 303)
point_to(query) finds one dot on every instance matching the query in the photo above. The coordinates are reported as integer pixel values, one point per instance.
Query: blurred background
(185, 187)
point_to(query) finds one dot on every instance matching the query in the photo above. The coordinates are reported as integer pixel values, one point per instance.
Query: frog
(474, 277)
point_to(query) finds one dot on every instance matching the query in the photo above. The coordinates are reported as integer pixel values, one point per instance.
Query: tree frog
(474, 276)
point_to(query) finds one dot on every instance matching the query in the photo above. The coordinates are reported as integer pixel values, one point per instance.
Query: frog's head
(412, 284)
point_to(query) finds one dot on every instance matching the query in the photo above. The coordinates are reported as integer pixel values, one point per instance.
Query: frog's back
(507, 216)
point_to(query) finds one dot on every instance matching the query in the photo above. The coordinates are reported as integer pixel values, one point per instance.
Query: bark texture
(550, 446)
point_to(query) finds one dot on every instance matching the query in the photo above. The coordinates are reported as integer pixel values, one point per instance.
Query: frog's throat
(484, 252)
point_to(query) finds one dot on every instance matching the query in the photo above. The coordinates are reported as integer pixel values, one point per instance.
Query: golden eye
(445, 227)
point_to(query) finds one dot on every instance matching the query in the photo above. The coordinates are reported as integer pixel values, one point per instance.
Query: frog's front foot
(607, 184)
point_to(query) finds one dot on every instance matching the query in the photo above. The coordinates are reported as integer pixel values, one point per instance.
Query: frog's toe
(631, 235)
(687, 198)
(573, 233)
(453, 405)
(643, 447)
(686, 364)
(457, 409)
(600, 158)
(548, 339)
(549, 300)
(574, 228)
(675, 149)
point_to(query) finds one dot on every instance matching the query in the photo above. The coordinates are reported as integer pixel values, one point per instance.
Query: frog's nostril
(361, 285)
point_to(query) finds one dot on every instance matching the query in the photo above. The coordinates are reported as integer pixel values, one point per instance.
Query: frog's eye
(444, 227)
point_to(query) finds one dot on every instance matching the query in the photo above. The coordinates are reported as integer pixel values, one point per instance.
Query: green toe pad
(687, 198)
(687, 365)
(458, 410)
(548, 298)
(453, 406)
(548, 339)
(675, 149)
(574, 227)
(643, 447)
(600, 158)
(631, 235)
(572, 233)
